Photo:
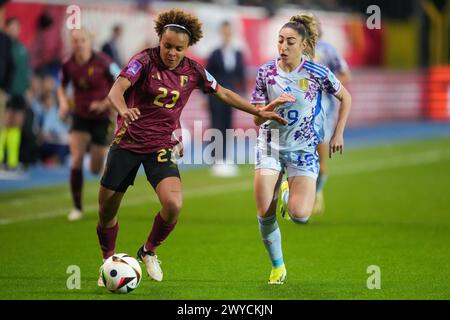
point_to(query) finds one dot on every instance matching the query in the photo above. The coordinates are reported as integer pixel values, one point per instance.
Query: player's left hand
(336, 144)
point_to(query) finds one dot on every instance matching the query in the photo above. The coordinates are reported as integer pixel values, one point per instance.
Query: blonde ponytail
(306, 25)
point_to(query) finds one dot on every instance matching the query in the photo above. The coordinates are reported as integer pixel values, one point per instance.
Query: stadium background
(401, 111)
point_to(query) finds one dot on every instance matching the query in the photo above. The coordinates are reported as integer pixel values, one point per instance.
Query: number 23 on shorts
(165, 155)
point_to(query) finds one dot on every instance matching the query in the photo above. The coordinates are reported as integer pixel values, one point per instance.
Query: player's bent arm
(116, 98)
(337, 140)
(344, 110)
(344, 77)
(63, 102)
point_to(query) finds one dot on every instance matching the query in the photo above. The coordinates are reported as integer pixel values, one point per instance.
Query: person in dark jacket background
(111, 48)
(226, 64)
(10, 137)
(6, 67)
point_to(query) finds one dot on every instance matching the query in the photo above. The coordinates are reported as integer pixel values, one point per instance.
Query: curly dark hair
(191, 23)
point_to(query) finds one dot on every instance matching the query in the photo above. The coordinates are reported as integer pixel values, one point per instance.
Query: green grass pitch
(386, 205)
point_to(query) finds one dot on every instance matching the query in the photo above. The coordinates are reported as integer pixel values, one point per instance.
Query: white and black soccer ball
(121, 273)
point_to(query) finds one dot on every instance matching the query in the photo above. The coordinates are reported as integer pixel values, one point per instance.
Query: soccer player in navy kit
(149, 96)
(92, 75)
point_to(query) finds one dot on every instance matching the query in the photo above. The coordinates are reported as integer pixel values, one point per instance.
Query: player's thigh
(78, 143)
(267, 184)
(268, 176)
(302, 192)
(164, 176)
(121, 169)
(98, 154)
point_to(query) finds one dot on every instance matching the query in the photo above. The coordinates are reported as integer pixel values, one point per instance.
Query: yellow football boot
(277, 275)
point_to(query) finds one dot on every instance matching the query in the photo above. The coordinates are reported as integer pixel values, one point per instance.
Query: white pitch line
(354, 168)
(127, 202)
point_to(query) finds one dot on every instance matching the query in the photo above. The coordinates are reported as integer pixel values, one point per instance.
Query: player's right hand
(270, 115)
(130, 114)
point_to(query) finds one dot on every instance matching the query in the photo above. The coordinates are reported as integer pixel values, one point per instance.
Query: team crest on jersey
(90, 71)
(183, 80)
(303, 84)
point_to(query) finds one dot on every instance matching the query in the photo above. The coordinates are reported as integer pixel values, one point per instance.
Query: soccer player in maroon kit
(149, 96)
(92, 75)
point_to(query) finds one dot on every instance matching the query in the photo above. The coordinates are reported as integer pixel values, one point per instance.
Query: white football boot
(100, 281)
(75, 214)
(152, 264)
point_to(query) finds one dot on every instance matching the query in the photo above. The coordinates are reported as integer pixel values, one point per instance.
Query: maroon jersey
(160, 94)
(91, 81)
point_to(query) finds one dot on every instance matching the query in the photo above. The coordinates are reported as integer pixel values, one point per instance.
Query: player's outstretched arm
(116, 98)
(337, 140)
(233, 99)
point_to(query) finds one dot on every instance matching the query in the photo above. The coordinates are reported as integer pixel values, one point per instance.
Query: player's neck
(288, 67)
(83, 58)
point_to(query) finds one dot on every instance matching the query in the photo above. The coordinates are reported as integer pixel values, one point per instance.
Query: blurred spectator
(15, 110)
(29, 153)
(226, 64)
(47, 47)
(53, 136)
(2, 11)
(111, 48)
(6, 67)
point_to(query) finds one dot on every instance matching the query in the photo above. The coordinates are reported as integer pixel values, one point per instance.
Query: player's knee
(105, 218)
(106, 210)
(173, 205)
(77, 162)
(103, 212)
(265, 211)
(299, 216)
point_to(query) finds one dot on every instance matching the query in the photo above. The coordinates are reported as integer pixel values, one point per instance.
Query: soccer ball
(121, 273)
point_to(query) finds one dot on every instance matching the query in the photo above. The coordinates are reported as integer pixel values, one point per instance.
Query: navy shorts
(100, 130)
